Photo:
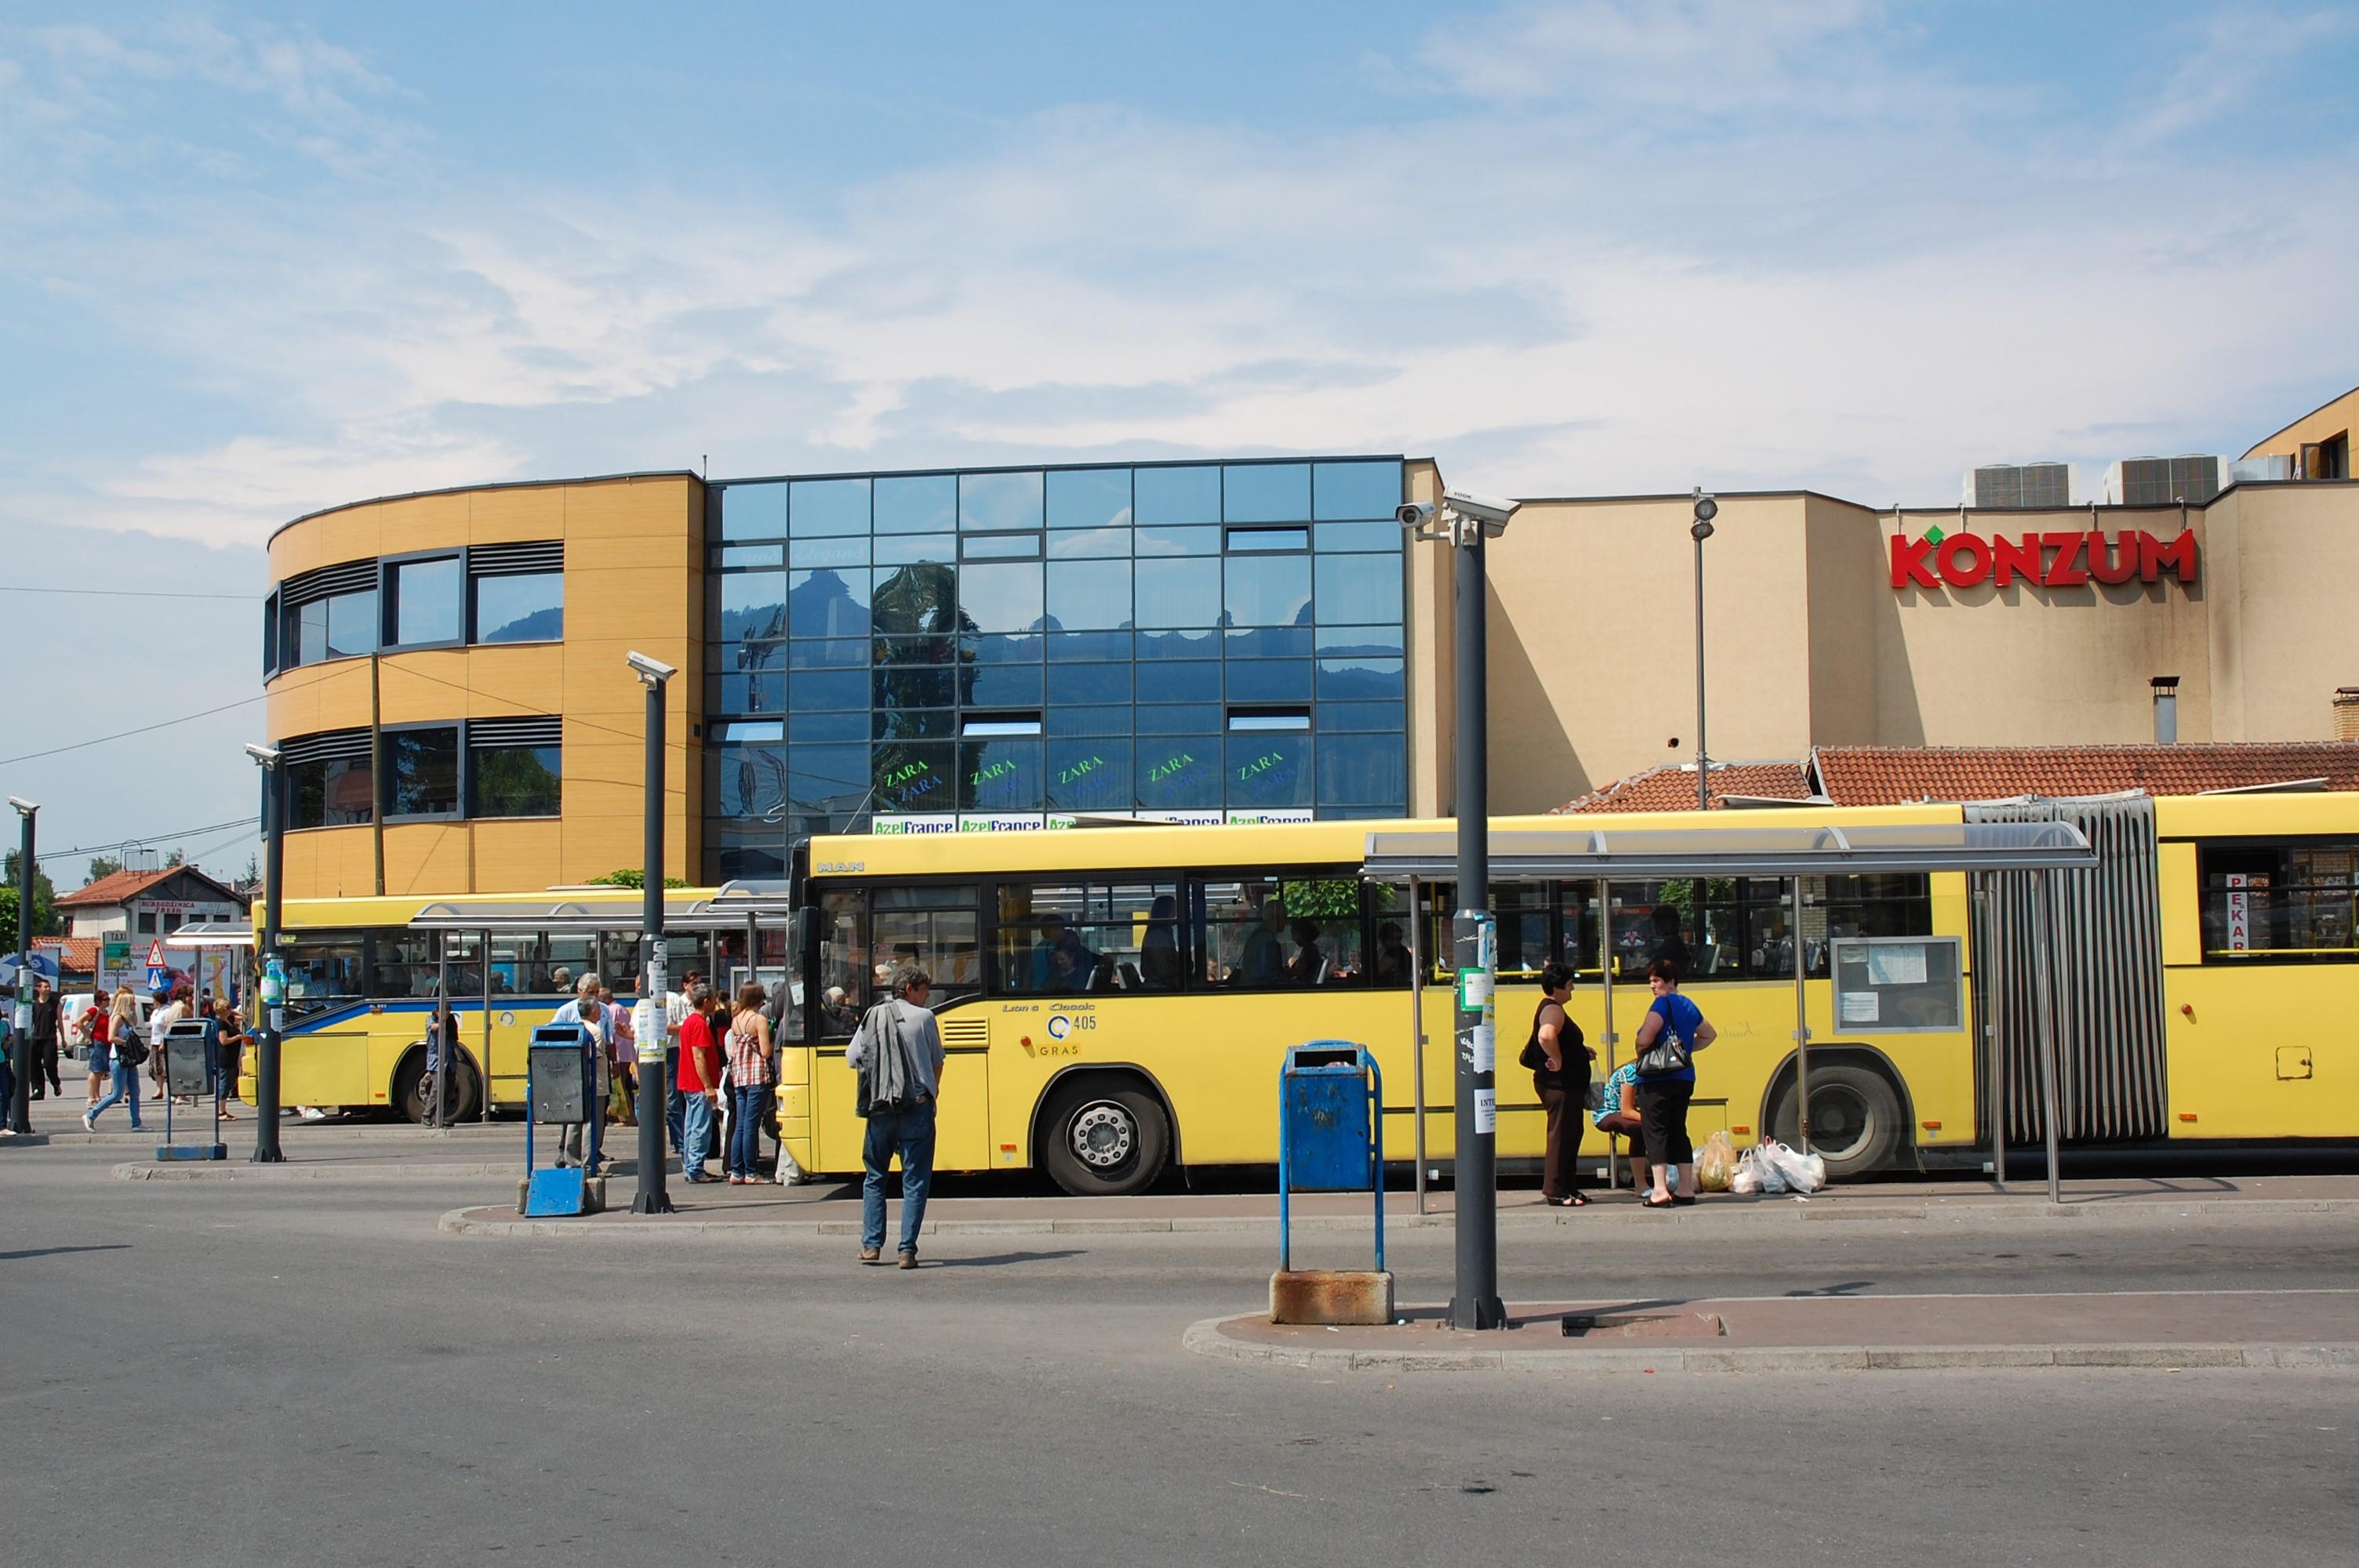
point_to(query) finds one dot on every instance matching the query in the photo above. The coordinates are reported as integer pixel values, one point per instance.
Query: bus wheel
(1105, 1140)
(415, 1091)
(1855, 1119)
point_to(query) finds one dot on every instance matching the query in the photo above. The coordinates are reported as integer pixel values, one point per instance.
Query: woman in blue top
(1663, 1096)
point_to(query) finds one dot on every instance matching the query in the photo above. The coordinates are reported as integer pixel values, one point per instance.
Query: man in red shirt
(699, 1082)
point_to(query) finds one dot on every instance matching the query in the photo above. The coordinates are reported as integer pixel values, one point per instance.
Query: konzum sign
(2051, 560)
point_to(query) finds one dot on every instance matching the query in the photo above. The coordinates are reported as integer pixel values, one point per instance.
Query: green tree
(45, 921)
(101, 866)
(177, 858)
(631, 877)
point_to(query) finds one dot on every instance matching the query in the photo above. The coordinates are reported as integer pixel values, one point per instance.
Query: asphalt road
(308, 1371)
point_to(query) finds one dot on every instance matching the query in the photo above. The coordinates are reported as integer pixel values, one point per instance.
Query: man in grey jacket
(897, 1053)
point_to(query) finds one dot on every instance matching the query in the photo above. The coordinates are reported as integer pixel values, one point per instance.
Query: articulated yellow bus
(1115, 1001)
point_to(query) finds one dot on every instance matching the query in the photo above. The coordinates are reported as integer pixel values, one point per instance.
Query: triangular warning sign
(156, 954)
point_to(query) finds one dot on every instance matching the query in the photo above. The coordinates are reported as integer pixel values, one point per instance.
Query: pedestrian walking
(125, 1051)
(585, 1010)
(1559, 1056)
(1673, 1031)
(699, 1080)
(45, 1040)
(7, 1061)
(751, 1051)
(92, 1031)
(897, 1054)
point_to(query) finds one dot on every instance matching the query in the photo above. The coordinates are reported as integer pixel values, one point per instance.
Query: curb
(458, 1222)
(295, 1171)
(1206, 1337)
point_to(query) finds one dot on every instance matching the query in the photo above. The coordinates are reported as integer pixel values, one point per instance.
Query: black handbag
(1668, 1055)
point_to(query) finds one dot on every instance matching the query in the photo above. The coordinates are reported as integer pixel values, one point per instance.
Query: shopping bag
(1715, 1164)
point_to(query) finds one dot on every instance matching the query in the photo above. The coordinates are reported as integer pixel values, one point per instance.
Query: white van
(73, 1005)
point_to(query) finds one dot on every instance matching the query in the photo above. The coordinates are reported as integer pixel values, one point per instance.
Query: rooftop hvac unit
(2162, 482)
(2019, 486)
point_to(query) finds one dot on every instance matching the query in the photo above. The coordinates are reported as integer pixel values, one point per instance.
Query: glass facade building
(994, 649)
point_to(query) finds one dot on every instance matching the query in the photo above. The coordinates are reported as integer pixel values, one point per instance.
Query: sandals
(1650, 1203)
(1571, 1200)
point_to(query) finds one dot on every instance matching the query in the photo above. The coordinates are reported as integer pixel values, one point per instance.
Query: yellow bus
(1114, 1002)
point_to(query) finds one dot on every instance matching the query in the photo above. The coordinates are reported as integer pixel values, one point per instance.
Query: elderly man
(585, 1010)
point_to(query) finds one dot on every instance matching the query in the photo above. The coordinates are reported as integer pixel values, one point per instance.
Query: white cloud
(1786, 282)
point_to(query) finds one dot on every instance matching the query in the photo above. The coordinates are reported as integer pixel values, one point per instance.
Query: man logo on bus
(2067, 559)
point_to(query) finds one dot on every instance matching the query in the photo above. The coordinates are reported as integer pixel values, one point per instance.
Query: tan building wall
(2319, 425)
(633, 554)
(1806, 642)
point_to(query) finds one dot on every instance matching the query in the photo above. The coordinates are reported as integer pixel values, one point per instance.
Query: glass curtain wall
(928, 652)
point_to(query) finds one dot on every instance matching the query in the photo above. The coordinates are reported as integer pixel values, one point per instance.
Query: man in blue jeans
(698, 1080)
(897, 1053)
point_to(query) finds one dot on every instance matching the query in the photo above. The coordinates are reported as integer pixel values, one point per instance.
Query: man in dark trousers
(45, 1040)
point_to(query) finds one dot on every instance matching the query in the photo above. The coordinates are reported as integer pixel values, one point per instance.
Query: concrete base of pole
(1330, 1296)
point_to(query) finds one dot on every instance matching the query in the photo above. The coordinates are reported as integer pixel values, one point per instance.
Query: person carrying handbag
(1559, 1057)
(1673, 1031)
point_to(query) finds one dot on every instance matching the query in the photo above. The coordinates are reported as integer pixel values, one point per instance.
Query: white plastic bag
(1744, 1178)
(1766, 1177)
(1793, 1170)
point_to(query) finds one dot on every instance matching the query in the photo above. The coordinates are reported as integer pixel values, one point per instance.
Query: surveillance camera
(1488, 509)
(24, 808)
(267, 755)
(1414, 513)
(650, 670)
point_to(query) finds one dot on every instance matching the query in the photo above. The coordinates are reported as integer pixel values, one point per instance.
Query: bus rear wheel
(1855, 1119)
(1104, 1139)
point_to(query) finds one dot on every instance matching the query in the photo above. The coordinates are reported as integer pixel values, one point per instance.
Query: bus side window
(937, 928)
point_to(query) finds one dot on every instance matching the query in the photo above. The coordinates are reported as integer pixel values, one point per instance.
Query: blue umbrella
(44, 967)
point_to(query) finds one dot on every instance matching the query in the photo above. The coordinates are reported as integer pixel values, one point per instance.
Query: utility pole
(271, 1010)
(1467, 520)
(654, 1087)
(20, 1105)
(1706, 509)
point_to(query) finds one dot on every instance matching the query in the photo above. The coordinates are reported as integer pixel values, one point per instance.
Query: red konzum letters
(2052, 560)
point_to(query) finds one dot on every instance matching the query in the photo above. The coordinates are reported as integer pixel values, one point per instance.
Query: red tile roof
(119, 887)
(1889, 775)
(1672, 787)
(76, 955)
(114, 888)
(1895, 775)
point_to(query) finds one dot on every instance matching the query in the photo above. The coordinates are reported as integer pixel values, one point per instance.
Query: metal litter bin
(1331, 1139)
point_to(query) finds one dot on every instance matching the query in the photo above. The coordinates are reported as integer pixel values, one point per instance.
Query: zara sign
(2068, 559)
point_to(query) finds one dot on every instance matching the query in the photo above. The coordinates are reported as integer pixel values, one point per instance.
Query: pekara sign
(2053, 559)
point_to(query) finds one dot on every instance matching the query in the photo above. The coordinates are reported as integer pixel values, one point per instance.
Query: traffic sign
(156, 954)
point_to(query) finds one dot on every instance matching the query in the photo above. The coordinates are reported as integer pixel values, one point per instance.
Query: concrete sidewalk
(831, 1210)
(2166, 1330)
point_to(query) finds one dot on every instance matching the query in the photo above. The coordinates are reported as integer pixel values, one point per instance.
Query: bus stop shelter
(738, 906)
(1602, 853)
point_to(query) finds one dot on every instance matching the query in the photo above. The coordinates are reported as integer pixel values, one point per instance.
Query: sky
(256, 261)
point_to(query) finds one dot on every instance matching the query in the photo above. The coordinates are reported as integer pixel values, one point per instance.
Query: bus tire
(412, 1091)
(1856, 1122)
(1103, 1138)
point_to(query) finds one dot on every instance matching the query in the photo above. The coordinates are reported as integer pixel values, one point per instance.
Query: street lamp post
(272, 1011)
(20, 1106)
(1466, 521)
(654, 1086)
(1706, 509)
